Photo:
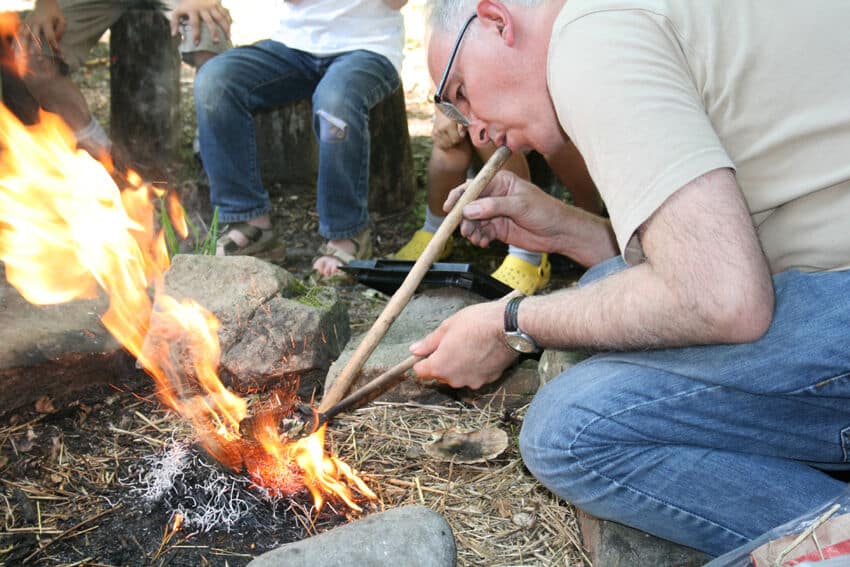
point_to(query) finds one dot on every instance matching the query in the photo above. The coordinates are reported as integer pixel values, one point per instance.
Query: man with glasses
(716, 294)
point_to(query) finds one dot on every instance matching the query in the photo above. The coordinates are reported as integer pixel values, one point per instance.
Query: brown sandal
(262, 243)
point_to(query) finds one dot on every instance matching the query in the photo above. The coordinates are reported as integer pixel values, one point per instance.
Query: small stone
(45, 405)
(554, 362)
(524, 520)
(412, 536)
(414, 452)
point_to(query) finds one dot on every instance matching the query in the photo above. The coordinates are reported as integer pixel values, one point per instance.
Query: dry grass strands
(80, 468)
(499, 513)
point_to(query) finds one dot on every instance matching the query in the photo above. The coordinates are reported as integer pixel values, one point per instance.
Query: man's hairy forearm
(630, 310)
(705, 281)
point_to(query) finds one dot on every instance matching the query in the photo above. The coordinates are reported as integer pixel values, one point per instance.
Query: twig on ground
(70, 531)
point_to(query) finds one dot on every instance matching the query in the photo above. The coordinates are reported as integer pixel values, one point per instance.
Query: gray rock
(615, 545)
(413, 536)
(554, 362)
(54, 350)
(270, 329)
(511, 391)
(421, 315)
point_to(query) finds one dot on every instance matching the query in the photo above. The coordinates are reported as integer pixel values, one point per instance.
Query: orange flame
(12, 54)
(67, 232)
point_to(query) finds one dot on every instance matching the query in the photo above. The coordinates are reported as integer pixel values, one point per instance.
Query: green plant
(207, 246)
(203, 246)
(172, 245)
(310, 295)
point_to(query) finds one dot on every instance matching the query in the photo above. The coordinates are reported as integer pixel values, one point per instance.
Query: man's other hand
(513, 211)
(467, 349)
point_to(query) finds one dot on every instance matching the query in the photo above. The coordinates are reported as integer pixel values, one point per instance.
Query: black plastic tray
(387, 276)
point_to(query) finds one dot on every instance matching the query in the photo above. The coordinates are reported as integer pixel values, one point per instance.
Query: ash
(182, 480)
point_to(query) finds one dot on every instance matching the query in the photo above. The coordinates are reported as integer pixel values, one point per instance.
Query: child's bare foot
(337, 253)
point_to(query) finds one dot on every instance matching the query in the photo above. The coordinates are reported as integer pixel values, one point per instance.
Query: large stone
(270, 329)
(421, 315)
(53, 350)
(614, 545)
(413, 536)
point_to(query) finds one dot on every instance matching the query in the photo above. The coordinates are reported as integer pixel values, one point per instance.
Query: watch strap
(512, 314)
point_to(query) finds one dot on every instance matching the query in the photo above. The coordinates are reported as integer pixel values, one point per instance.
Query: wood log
(145, 88)
(289, 152)
(287, 147)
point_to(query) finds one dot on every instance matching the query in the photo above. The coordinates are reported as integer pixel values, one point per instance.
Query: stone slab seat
(614, 545)
(289, 153)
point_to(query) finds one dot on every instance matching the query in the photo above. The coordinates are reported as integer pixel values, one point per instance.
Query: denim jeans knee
(707, 446)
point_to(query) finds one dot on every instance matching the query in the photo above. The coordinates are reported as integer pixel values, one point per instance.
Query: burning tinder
(68, 232)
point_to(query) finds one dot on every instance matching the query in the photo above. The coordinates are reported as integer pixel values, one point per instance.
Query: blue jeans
(706, 446)
(268, 74)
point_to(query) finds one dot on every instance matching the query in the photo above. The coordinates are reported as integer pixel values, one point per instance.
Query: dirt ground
(64, 470)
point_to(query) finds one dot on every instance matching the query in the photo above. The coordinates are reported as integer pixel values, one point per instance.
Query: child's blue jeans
(268, 74)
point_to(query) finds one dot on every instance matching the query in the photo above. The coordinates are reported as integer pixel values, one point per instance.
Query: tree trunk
(145, 89)
(289, 155)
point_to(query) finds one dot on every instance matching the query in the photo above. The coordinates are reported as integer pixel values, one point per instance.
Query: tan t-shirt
(656, 93)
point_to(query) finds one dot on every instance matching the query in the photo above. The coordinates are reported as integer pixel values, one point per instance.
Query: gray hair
(449, 15)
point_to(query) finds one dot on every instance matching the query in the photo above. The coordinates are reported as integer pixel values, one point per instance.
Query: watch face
(520, 342)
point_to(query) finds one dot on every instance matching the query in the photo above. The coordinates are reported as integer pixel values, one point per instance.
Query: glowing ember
(67, 231)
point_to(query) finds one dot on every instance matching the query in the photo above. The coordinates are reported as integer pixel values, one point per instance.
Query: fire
(324, 475)
(68, 232)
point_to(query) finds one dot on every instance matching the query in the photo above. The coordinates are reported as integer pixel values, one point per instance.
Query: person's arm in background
(211, 12)
(395, 4)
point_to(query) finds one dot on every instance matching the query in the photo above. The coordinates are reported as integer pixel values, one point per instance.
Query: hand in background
(446, 133)
(45, 20)
(213, 14)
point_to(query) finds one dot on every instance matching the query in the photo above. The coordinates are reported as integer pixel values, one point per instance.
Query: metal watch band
(512, 314)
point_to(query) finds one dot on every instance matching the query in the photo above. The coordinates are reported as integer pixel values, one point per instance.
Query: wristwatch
(515, 337)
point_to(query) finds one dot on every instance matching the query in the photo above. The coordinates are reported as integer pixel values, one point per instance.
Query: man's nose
(478, 132)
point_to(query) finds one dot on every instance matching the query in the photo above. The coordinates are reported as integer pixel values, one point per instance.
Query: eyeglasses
(446, 107)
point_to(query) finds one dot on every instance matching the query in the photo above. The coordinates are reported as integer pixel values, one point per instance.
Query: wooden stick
(371, 390)
(408, 287)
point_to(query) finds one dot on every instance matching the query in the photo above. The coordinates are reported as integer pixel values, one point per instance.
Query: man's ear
(494, 14)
